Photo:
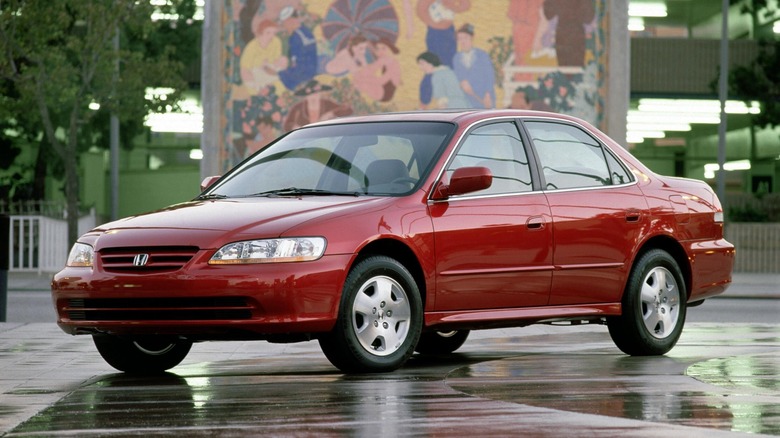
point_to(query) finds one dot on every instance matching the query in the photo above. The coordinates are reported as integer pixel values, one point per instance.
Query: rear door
(598, 213)
(493, 247)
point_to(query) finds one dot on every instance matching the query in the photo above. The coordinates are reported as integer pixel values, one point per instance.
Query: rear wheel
(653, 307)
(436, 342)
(379, 321)
(150, 355)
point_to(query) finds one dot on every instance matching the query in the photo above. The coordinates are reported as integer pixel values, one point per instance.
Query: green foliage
(57, 57)
(754, 208)
(760, 81)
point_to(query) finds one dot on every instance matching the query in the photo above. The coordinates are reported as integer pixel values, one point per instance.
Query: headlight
(294, 249)
(81, 256)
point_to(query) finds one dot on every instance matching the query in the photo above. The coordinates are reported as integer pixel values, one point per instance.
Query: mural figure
(439, 16)
(426, 91)
(314, 106)
(445, 88)
(351, 58)
(302, 51)
(363, 34)
(573, 16)
(528, 24)
(266, 132)
(474, 70)
(262, 58)
(379, 79)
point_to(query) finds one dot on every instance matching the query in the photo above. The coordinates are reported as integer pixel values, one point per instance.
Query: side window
(499, 148)
(618, 173)
(569, 157)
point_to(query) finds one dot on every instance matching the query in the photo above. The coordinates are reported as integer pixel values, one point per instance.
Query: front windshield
(388, 158)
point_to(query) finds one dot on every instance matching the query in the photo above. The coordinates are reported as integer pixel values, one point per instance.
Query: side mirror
(465, 180)
(208, 182)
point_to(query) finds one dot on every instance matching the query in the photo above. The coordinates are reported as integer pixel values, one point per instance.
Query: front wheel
(141, 356)
(379, 320)
(653, 307)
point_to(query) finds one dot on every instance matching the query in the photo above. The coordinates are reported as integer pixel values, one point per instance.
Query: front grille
(158, 258)
(159, 309)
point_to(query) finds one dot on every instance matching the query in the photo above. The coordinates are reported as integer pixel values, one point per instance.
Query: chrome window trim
(472, 126)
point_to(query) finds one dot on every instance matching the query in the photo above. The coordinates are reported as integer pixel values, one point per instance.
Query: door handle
(535, 223)
(633, 215)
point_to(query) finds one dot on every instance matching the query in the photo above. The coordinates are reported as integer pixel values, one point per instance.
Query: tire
(436, 342)
(379, 320)
(142, 356)
(654, 307)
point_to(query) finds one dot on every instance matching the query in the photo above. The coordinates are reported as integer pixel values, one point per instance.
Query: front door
(493, 247)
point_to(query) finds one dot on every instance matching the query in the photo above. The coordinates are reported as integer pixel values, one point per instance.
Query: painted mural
(293, 62)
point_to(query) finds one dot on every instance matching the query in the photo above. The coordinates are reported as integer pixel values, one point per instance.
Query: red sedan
(388, 234)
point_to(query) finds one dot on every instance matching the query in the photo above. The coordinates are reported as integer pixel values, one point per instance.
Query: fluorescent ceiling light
(636, 24)
(635, 116)
(633, 137)
(646, 134)
(698, 106)
(647, 9)
(679, 126)
(711, 168)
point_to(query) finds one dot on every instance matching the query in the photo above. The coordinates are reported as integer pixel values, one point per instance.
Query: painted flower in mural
(374, 20)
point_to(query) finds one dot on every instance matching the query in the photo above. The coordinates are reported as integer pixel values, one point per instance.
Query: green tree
(58, 57)
(760, 82)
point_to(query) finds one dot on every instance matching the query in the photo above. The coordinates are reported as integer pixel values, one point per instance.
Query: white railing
(39, 243)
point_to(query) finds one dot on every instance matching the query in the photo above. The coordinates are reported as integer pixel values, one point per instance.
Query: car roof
(459, 116)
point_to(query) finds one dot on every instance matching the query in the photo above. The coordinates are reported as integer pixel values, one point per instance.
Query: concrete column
(618, 71)
(212, 65)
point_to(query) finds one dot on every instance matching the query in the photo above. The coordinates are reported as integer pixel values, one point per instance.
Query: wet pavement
(720, 380)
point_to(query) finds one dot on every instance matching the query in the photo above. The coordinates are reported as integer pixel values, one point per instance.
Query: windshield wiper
(211, 196)
(295, 191)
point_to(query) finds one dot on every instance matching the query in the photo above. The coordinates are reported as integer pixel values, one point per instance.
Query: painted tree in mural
(57, 59)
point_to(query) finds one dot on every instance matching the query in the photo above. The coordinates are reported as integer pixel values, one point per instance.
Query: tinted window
(570, 158)
(365, 158)
(619, 173)
(499, 148)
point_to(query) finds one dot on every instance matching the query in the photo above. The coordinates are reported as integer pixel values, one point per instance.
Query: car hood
(212, 223)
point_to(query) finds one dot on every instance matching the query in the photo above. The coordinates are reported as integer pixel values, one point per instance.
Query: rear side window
(571, 158)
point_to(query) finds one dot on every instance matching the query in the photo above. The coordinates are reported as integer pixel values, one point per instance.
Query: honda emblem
(140, 259)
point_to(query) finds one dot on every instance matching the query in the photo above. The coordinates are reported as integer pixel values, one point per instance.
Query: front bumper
(203, 302)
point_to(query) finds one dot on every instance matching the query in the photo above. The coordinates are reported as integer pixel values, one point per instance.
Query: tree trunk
(41, 168)
(72, 194)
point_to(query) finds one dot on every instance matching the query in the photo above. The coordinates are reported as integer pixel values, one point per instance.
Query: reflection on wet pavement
(572, 383)
(742, 394)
